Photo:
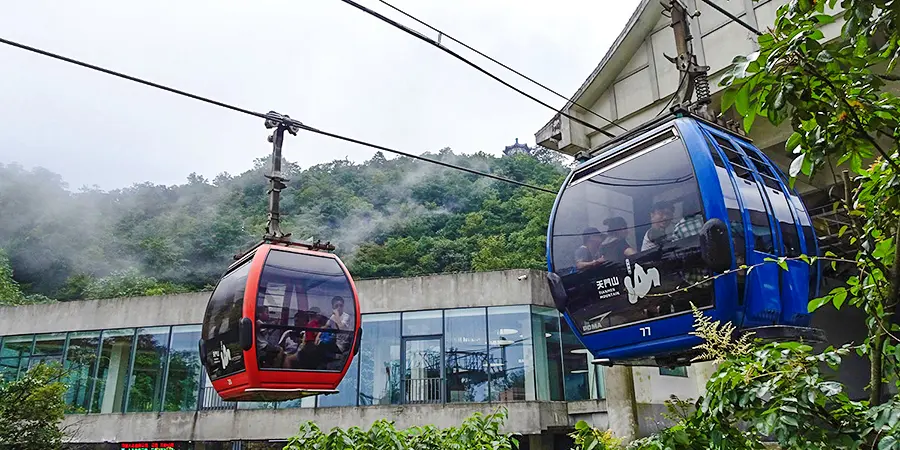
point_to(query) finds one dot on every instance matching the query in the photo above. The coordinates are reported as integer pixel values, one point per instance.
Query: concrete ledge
(524, 418)
(459, 290)
(587, 406)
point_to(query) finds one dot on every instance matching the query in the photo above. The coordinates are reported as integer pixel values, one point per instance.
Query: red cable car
(283, 323)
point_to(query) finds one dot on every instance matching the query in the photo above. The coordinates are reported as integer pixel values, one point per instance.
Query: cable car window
(780, 206)
(649, 210)
(735, 158)
(220, 327)
(735, 219)
(305, 313)
(751, 193)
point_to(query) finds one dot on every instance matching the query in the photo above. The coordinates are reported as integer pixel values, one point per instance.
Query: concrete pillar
(702, 372)
(620, 402)
(540, 441)
(114, 388)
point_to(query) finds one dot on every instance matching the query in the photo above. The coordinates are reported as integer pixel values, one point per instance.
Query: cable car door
(762, 304)
(794, 282)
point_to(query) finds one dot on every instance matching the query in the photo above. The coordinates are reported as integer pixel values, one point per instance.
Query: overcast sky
(320, 61)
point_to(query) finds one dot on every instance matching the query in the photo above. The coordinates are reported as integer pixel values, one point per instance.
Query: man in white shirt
(660, 219)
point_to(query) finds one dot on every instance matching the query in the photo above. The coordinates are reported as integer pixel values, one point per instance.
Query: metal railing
(423, 390)
(210, 401)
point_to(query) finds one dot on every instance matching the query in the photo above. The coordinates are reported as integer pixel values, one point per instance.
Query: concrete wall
(498, 288)
(524, 418)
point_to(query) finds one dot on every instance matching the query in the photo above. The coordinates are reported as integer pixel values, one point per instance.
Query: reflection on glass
(735, 218)
(626, 228)
(348, 390)
(750, 190)
(48, 348)
(183, 371)
(547, 358)
(511, 356)
(305, 313)
(422, 323)
(14, 355)
(575, 366)
(81, 361)
(422, 370)
(379, 360)
(112, 373)
(17, 346)
(310, 402)
(224, 355)
(465, 347)
(145, 390)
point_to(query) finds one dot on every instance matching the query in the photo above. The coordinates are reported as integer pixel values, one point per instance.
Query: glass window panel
(759, 218)
(348, 390)
(511, 354)
(224, 355)
(680, 371)
(547, 353)
(649, 206)
(735, 219)
(9, 368)
(379, 360)
(112, 371)
(17, 346)
(147, 375)
(422, 370)
(183, 371)
(752, 196)
(466, 354)
(305, 313)
(80, 362)
(423, 323)
(50, 344)
(575, 366)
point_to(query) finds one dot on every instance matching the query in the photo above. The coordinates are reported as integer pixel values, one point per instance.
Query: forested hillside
(398, 217)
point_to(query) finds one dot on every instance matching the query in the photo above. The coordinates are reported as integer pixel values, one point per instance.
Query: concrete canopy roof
(639, 26)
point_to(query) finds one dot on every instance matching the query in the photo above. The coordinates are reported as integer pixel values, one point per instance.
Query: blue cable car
(641, 224)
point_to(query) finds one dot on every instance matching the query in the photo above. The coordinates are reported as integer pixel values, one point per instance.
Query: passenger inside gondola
(651, 208)
(661, 215)
(588, 255)
(615, 246)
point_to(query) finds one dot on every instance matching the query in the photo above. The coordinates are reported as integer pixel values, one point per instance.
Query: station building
(435, 350)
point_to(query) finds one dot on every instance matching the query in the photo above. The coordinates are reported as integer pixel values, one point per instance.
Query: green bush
(478, 432)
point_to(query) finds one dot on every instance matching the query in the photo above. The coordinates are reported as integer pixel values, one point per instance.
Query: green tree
(834, 94)
(32, 409)
(10, 293)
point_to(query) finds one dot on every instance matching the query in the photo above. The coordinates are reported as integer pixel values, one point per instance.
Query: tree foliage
(32, 409)
(842, 110)
(763, 392)
(397, 217)
(10, 293)
(477, 432)
(834, 93)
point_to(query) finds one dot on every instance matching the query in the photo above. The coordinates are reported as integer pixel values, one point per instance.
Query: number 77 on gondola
(661, 218)
(283, 321)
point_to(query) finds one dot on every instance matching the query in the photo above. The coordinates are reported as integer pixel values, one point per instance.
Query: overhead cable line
(441, 33)
(732, 16)
(293, 122)
(431, 41)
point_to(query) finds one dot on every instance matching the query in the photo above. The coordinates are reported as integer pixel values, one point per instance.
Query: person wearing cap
(616, 247)
(660, 217)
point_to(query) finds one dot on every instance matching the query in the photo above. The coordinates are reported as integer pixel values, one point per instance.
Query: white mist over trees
(387, 217)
